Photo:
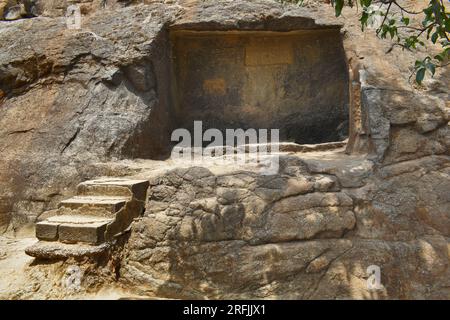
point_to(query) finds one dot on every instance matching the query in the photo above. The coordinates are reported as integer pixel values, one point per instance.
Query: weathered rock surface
(195, 205)
(295, 235)
(324, 269)
(17, 9)
(73, 100)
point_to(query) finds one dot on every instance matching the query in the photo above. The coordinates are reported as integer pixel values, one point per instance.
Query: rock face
(17, 9)
(73, 100)
(296, 235)
(53, 102)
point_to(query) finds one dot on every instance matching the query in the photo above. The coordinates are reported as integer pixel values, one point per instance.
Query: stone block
(47, 230)
(115, 187)
(92, 233)
(111, 204)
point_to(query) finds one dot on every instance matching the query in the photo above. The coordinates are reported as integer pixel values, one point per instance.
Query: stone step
(108, 203)
(85, 224)
(73, 229)
(114, 187)
(57, 250)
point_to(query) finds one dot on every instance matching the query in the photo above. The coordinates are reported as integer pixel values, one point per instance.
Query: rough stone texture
(17, 9)
(71, 100)
(196, 205)
(267, 237)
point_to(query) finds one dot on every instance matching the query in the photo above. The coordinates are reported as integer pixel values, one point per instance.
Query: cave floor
(321, 161)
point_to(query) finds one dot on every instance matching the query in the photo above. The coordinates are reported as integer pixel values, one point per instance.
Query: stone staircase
(89, 222)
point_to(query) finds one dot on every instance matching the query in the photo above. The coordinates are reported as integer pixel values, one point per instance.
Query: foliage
(396, 24)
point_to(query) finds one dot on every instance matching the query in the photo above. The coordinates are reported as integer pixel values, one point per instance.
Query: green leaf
(405, 21)
(439, 57)
(434, 37)
(420, 75)
(338, 5)
(393, 32)
(364, 19)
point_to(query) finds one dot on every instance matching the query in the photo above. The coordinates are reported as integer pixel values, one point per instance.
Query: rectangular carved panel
(269, 53)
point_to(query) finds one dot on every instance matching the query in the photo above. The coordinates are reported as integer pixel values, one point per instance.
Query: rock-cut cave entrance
(295, 81)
